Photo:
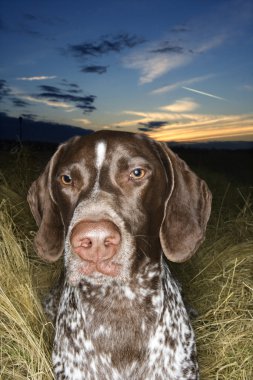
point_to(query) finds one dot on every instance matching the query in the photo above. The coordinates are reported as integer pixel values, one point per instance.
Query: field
(217, 281)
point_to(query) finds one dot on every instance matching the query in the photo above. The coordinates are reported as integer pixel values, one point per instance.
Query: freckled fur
(98, 342)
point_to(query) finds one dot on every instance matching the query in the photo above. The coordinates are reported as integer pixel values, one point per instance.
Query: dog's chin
(96, 274)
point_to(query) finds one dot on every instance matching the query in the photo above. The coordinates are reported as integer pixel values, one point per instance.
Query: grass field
(217, 281)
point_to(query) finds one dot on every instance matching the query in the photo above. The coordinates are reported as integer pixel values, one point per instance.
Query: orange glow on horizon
(191, 127)
(193, 135)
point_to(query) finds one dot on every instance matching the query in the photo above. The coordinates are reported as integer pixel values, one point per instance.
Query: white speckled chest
(165, 346)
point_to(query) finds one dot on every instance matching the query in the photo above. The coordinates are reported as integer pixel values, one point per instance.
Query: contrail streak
(203, 93)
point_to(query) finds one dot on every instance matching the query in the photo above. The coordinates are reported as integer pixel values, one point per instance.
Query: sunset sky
(176, 70)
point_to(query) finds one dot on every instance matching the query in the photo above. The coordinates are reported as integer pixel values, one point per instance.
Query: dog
(118, 206)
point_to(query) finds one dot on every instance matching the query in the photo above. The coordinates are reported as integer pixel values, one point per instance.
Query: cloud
(31, 25)
(187, 127)
(42, 77)
(73, 85)
(51, 89)
(152, 125)
(83, 102)
(159, 58)
(182, 105)
(173, 86)
(105, 45)
(29, 116)
(210, 44)
(47, 102)
(94, 69)
(30, 17)
(153, 66)
(147, 117)
(56, 95)
(19, 102)
(27, 30)
(166, 47)
(74, 91)
(247, 87)
(72, 88)
(7, 93)
(82, 122)
(180, 29)
(54, 20)
(208, 127)
(4, 89)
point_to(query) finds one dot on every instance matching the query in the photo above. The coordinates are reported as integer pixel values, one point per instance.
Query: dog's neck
(120, 316)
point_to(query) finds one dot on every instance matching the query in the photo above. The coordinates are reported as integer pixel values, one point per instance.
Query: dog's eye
(137, 173)
(66, 180)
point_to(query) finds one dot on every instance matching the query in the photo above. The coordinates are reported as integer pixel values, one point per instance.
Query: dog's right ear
(187, 209)
(49, 240)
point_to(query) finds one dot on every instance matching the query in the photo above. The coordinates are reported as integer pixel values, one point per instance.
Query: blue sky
(176, 70)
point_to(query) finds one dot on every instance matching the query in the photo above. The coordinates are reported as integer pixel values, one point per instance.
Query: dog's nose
(95, 241)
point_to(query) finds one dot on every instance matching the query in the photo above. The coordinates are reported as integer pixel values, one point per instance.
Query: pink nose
(95, 241)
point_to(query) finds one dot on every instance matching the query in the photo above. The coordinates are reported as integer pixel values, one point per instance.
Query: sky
(174, 70)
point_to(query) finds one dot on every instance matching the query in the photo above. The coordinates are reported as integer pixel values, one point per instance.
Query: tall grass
(25, 333)
(217, 282)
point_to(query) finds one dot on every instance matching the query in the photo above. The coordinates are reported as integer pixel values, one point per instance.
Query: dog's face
(111, 200)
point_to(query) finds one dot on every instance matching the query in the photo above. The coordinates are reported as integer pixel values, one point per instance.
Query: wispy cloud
(34, 78)
(163, 56)
(203, 93)
(247, 87)
(82, 122)
(55, 94)
(4, 89)
(9, 94)
(167, 47)
(47, 102)
(173, 86)
(29, 116)
(19, 102)
(210, 44)
(94, 69)
(69, 97)
(105, 45)
(208, 127)
(49, 21)
(180, 29)
(181, 105)
(147, 126)
(172, 126)
(72, 88)
(153, 66)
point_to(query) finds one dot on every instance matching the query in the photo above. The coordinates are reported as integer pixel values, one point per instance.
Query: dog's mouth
(105, 267)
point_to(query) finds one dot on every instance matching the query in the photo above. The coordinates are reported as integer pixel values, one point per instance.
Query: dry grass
(25, 333)
(218, 282)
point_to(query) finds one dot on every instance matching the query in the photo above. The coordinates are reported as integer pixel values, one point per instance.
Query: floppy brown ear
(49, 240)
(187, 210)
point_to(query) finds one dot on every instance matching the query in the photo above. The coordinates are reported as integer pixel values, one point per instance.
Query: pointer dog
(117, 205)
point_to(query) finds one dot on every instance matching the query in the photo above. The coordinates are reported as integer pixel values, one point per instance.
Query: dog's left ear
(187, 209)
(49, 239)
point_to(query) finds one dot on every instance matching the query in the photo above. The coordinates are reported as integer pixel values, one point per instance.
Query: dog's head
(112, 200)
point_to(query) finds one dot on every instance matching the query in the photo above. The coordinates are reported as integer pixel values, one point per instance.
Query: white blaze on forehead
(100, 154)
(100, 151)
